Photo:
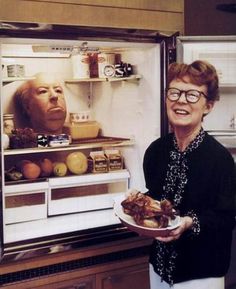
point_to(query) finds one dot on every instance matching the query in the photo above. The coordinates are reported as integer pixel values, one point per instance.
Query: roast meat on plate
(148, 212)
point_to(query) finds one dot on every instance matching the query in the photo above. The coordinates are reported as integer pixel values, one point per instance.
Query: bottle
(80, 65)
(8, 123)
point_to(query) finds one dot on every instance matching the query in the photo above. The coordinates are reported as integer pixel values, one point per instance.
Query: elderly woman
(42, 103)
(197, 174)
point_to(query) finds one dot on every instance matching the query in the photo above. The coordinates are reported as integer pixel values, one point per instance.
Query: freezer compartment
(25, 203)
(86, 193)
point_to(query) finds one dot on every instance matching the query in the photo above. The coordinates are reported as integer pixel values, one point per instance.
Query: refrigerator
(126, 103)
(130, 110)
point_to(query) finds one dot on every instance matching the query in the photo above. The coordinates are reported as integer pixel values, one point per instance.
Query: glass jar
(8, 123)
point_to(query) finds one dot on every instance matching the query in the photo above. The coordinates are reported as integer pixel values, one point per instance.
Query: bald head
(42, 100)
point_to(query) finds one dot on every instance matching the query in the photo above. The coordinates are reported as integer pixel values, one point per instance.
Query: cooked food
(148, 212)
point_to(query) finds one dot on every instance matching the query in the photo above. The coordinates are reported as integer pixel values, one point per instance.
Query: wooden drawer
(78, 283)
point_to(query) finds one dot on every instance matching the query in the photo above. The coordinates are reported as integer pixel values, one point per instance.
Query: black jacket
(210, 192)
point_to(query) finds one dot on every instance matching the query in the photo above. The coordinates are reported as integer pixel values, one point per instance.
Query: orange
(30, 170)
(46, 167)
(20, 164)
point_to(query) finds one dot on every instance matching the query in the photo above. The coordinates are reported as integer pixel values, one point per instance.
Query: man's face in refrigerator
(183, 114)
(45, 104)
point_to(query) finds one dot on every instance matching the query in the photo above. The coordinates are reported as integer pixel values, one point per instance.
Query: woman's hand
(186, 223)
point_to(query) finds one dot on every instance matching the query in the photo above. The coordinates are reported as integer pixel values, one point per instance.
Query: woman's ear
(209, 106)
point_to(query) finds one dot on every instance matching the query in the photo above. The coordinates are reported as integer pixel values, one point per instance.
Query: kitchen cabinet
(210, 20)
(162, 15)
(122, 264)
(130, 277)
(77, 283)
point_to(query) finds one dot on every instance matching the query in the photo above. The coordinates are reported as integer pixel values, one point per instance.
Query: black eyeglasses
(191, 96)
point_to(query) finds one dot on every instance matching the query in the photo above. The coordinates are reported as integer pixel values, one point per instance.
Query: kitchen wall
(202, 18)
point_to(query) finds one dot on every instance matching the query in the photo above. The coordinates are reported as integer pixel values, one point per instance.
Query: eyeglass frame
(185, 94)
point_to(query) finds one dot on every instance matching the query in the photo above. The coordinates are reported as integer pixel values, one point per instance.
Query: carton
(115, 159)
(97, 162)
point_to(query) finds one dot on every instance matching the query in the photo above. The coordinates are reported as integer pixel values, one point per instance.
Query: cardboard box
(115, 159)
(97, 162)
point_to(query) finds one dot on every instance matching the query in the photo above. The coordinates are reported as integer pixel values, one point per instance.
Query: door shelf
(88, 179)
(108, 79)
(111, 142)
(68, 181)
(12, 79)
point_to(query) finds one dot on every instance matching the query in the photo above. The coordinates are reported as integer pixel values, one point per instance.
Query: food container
(15, 70)
(58, 140)
(82, 130)
(97, 162)
(104, 60)
(80, 116)
(80, 65)
(8, 123)
(115, 159)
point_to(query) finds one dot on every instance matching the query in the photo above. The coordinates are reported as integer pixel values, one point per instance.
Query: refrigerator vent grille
(25, 275)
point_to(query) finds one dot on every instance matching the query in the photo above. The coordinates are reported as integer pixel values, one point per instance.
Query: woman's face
(47, 106)
(185, 115)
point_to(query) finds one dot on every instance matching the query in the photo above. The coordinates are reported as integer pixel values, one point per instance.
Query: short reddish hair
(200, 73)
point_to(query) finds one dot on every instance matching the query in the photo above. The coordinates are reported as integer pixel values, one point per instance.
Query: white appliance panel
(222, 54)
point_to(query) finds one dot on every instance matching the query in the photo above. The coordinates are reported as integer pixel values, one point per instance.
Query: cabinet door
(78, 283)
(129, 277)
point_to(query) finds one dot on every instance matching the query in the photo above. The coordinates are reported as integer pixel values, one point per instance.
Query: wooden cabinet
(77, 283)
(130, 277)
(127, 277)
(161, 15)
(131, 273)
(114, 265)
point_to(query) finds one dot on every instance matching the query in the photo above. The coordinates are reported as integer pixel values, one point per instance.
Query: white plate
(129, 222)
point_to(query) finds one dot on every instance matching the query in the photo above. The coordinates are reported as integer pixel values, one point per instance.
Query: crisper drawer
(86, 192)
(25, 202)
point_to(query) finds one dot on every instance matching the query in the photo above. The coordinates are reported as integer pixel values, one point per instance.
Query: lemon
(59, 169)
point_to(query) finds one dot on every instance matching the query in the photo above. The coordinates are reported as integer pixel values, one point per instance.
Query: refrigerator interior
(129, 109)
